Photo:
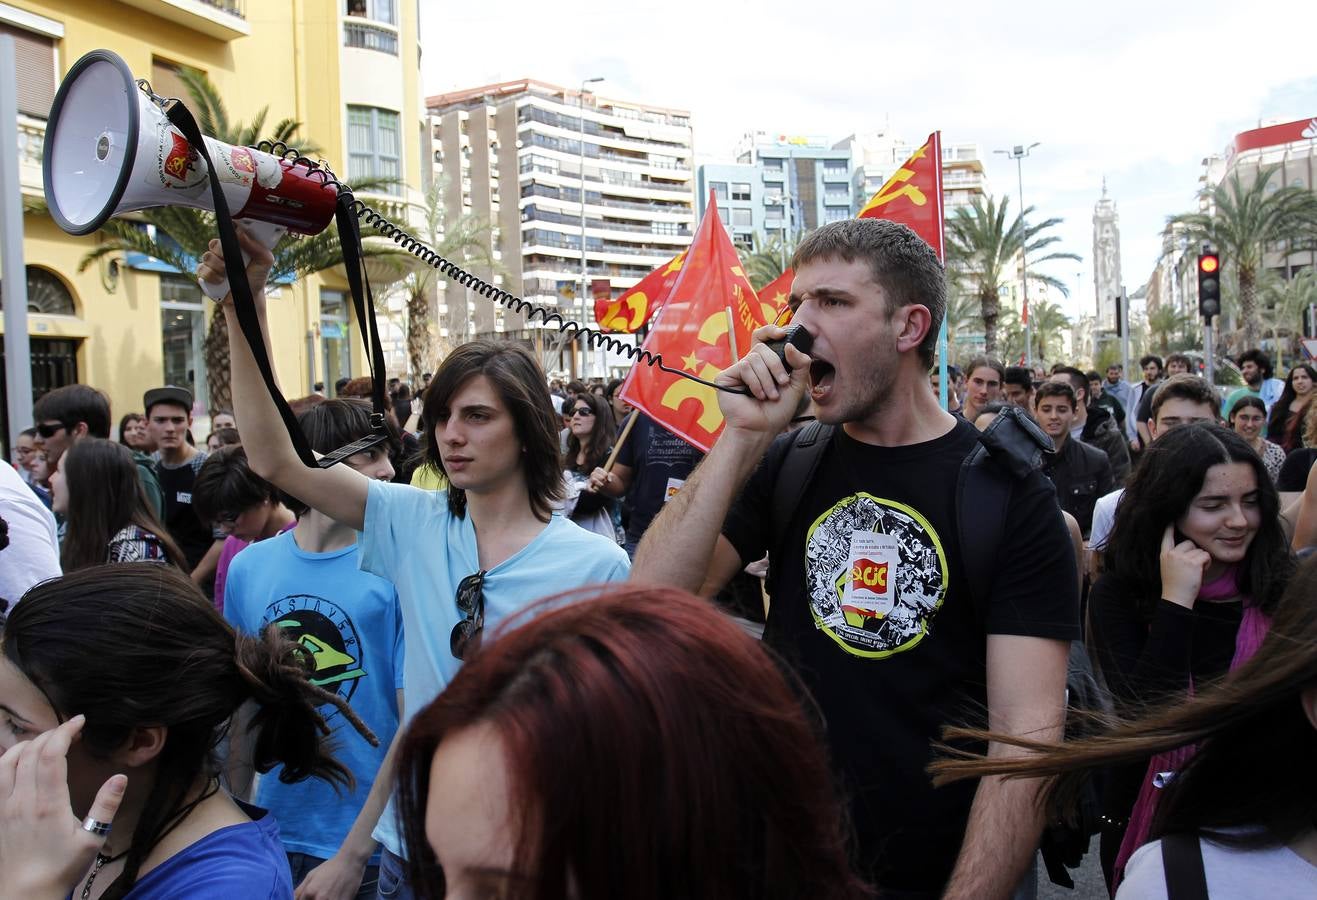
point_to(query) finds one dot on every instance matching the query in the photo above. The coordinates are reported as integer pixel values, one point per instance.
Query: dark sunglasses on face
(49, 431)
(471, 603)
(583, 411)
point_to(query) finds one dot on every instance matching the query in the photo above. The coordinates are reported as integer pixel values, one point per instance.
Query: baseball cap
(170, 393)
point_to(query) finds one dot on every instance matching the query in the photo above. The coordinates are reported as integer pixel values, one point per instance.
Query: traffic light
(1209, 285)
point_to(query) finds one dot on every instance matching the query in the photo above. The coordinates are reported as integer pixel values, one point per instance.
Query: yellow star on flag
(691, 363)
(780, 299)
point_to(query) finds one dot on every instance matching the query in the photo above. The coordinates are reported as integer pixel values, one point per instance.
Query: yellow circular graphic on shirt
(875, 574)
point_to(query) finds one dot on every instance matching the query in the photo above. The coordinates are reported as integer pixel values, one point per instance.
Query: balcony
(225, 20)
(367, 36)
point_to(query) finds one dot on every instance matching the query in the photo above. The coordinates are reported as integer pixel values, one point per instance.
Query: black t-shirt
(1294, 471)
(660, 463)
(193, 537)
(872, 608)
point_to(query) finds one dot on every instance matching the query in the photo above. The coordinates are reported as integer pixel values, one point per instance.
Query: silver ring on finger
(96, 827)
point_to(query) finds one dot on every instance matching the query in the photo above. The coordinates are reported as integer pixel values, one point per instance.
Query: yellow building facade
(347, 70)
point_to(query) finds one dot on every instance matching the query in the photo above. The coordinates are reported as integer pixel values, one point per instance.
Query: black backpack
(1006, 453)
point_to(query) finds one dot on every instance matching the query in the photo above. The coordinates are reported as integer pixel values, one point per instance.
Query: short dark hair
(1118, 366)
(1151, 358)
(228, 437)
(1092, 375)
(1055, 389)
(900, 262)
(329, 425)
(980, 362)
(519, 381)
(1258, 358)
(226, 484)
(1246, 401)
(1018, 376)
(1181, 358)
(76, 403)
(1184, 387)
(1078, 382)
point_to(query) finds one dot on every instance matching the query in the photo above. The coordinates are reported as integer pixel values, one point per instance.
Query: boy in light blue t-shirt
(463, 560)
(307, 582)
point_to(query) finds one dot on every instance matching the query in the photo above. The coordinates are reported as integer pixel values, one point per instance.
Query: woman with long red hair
(633, 743)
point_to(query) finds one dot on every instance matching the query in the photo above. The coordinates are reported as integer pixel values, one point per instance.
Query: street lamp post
(585, 284)
(1018, 153)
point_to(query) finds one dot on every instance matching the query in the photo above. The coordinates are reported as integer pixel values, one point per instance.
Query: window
(183, 334)
(771, 165)
(335, 332)
(34, 62)
(719, 189)
(45, 294)
(379, 10)
(742, 218)
(836, 213)
(740, 191)
(165, 80)
(723, 214)
(374, 146)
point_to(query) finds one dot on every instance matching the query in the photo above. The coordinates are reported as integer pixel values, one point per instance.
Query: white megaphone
(110, 150)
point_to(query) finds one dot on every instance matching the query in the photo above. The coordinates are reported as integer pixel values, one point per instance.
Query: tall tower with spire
(1106, 259)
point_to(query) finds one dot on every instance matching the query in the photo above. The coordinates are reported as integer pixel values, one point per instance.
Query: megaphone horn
(111, 150)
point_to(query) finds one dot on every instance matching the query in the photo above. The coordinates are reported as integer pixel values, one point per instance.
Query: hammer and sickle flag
(913, 195)
(691, 333)
(636, 305)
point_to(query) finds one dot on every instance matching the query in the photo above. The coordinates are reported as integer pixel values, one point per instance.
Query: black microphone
(797, 337)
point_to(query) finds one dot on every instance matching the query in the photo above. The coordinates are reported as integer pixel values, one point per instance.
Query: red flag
(913, 195)
(777, 292)
(692, 334)
(636, 305)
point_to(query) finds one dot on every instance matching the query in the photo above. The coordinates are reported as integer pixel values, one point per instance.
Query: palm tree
(1242, 221)
(1048, 322)
(465, 240)
(982, 248)
(181, 235)
(768, 258)
(1284, 302)
(963, 314)
(1163, 322)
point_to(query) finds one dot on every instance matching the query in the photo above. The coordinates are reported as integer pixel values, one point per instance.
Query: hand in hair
(44, 850)
(1182, 566)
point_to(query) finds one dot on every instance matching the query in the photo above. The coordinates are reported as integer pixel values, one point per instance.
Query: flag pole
(731, 334)
(621, 439)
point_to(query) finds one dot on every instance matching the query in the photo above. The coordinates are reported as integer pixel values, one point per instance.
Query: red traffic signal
(1208, 263)
(1209, 285)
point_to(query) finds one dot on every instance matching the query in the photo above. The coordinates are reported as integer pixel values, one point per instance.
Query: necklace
(101, 862)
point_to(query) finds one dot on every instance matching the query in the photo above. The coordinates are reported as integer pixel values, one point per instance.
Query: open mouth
(822, 374)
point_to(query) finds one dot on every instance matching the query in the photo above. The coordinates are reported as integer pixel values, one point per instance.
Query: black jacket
(1081, 474)
(1102, 432)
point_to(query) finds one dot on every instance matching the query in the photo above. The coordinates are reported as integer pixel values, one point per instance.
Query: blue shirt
(411, 538)
(351, 624)
(241, 861)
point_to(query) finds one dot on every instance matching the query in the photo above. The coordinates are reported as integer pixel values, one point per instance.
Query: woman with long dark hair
(628, 743)
(1194, 567)
(1247, 418)
(1289, 413)
(591, 432)
(138, 665)
(96, 488)
(1249, 793)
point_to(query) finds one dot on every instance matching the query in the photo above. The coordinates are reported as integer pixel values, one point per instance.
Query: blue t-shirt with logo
(240, 861)
(350, 622)
(412, 539)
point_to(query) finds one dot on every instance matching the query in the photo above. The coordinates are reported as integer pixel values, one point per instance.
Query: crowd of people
(532, 644)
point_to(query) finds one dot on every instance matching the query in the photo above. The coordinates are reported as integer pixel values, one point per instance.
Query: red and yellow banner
(636, 305)
(693, 333)
(778, 292)
(913, 195)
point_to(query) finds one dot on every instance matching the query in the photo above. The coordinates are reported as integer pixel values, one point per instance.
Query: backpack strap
(1008, 450)
(799, 463)
(1182, 861)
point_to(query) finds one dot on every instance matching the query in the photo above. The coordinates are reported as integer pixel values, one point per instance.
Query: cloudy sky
(1138, 92)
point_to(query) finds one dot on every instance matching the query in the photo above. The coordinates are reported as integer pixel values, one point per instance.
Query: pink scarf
(1252, 629)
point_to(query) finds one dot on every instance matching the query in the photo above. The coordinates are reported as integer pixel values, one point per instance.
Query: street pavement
(1088, 881)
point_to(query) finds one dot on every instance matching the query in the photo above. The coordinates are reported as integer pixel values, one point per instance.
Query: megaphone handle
(265, 232)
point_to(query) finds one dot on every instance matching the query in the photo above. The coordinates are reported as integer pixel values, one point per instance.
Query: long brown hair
(1254, 764)
(601, 437)
(105, 496)
(137, 644)
(520, 384)
(705, 777)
